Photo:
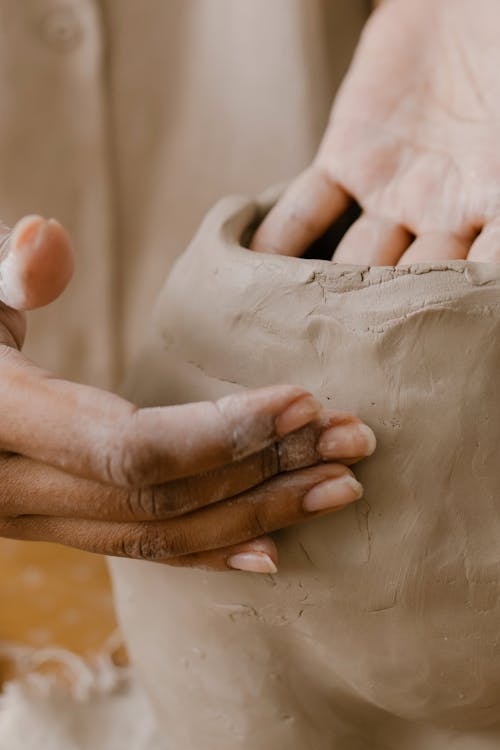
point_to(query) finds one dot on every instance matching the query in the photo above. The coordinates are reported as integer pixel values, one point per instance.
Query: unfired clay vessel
(381, 629)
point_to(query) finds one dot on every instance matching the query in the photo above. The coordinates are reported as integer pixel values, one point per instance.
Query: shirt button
(61, 29)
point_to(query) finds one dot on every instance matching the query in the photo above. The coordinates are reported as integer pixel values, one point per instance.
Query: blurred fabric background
(53, 595)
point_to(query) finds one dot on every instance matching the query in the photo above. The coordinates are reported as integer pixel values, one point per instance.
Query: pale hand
(413, 137)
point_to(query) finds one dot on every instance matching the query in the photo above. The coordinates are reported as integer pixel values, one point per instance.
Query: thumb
(36, 262)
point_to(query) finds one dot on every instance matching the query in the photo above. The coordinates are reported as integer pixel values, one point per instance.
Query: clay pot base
(381, 628)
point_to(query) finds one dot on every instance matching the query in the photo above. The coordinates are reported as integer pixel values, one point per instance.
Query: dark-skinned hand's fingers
(373, 241)
(95, 434)
(256, 556)
(36, 262)
(283, 501)
(435, 246)
(33, 488)
(302, 215)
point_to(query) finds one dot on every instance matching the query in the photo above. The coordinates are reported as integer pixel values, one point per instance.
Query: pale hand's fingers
(36, 263)
(373, 241)
(33, 488)
(97, 435)
(306, 210)
(436, 246)
(486, 247)
(285, 500)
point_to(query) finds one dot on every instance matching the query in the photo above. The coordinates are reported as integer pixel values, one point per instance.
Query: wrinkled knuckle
(152, 547)
(129, 465)
(176, 498)
(299, 449)
(126, 460)
(142, 503)
(145, 544)
(162, 502)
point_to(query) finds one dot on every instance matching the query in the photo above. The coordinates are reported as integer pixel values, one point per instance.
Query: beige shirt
(127, 119)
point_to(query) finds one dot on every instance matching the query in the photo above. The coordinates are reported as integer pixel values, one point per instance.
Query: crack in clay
(317, 279)
(307, 555)
(363, 510)
(362, 277)
(237, 611)
(384, 607)
(199, 368)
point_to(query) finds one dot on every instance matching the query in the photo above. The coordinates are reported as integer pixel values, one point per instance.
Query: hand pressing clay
(382, 627)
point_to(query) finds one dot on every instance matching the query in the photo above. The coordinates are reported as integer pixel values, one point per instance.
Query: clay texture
(382, 627)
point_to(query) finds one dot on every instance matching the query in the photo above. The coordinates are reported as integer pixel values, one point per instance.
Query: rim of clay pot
(477, 274)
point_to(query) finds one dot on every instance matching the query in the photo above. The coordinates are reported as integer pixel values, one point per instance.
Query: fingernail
(371, 440)
(347, 441)
(252, 562)
(298, 414)
(27, 231)
(332, 493)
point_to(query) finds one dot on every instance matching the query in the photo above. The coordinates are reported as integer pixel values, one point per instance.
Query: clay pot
(388, 613)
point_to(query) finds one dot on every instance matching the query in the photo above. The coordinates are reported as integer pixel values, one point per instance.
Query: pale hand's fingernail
(298, 414)
(347, 441)
(333, 493)
(252, 562)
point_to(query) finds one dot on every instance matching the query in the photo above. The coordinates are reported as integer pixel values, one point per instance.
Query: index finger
(98, 435)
